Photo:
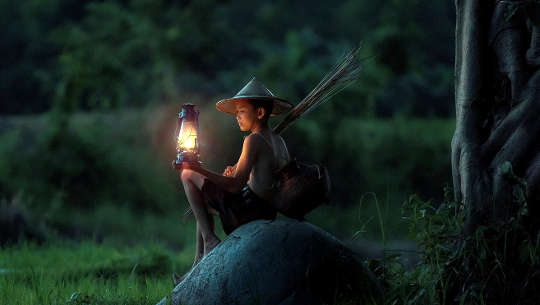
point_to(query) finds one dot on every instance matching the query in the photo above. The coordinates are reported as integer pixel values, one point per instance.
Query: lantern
(187, 132)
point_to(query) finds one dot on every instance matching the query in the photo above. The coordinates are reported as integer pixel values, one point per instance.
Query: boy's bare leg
(192, 182)
(205, 238)
(209, 246)
(199, 249)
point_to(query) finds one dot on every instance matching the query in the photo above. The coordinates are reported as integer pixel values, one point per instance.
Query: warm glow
(187, 137)
(189, 143)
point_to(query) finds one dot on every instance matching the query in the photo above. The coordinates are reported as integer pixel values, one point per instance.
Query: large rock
(278, 262)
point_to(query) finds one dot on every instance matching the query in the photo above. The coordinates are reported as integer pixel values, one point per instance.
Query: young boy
(244, 191)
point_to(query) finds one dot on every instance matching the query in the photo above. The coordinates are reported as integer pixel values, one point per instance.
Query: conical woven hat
(255, 90)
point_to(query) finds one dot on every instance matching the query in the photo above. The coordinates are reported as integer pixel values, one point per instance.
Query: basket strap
(271, 147)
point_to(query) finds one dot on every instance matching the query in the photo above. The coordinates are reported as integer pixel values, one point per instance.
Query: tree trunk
(496, 143)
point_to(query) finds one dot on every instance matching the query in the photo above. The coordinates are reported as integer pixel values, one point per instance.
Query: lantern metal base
(185, 157)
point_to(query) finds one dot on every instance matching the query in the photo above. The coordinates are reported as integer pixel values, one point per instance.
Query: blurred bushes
(124, 157)
(392, 157)
(112, 54)
(65, 57)
(81, 161)
(16, 225)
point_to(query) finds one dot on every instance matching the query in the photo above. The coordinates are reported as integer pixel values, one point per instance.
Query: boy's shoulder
(257, 140)
(254, 139)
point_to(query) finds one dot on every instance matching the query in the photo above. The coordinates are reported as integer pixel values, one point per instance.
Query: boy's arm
(236, 182)
(229, 171)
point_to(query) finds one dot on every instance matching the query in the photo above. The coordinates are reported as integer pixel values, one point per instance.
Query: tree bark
(496, 143)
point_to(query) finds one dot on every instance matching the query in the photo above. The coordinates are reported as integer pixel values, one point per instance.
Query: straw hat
(254, 90)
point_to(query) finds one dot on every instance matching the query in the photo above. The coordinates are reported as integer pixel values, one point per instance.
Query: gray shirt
(262, 178)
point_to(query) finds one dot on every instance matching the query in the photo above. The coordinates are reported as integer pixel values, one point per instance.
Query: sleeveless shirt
(261, 178)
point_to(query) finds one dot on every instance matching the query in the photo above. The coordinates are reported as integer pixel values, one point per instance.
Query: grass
(369, 219)
(119, 257)
(500, 261)
(85, 273)
(125, 257)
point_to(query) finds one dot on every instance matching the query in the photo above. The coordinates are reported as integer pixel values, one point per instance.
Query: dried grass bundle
(344, 72)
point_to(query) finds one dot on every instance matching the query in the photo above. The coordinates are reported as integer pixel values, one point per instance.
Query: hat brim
(229, 105)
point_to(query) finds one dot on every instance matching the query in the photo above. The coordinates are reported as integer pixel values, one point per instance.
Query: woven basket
(302, 187)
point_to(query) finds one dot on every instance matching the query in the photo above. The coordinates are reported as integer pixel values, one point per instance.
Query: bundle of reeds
(342, 74)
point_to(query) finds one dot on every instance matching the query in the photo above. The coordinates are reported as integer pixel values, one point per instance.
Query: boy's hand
(194, 166)
(185, 165)
(229, 171)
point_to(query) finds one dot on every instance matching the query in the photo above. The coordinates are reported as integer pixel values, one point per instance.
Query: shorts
(236, 209)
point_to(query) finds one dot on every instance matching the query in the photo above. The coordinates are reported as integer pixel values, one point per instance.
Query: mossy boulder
(278, 262)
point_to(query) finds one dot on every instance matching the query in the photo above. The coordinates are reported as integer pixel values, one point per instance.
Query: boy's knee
(186, 174)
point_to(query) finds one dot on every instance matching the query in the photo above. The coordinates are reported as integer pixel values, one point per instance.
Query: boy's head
(252, 112)
(258, 99)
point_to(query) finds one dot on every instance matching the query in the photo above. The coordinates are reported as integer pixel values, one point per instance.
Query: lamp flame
(187, 138)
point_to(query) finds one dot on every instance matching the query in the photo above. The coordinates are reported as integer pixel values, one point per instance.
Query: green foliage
(367, 219)
(58, 161)
(111, 54)
(79, 161)
(114, 57)
(28, 65)
(395, 157)
(435, 229)
(498, 264)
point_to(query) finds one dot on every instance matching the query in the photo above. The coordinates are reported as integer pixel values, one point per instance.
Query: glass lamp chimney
(187, 132)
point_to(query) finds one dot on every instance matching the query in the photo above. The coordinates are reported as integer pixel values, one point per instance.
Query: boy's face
(246, 115)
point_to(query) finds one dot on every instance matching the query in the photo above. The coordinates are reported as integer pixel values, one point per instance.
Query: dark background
(89, 95)
(90, 92)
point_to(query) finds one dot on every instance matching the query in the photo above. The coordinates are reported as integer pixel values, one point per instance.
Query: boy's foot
(177, 279)
(211, 245)
(197, 259)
